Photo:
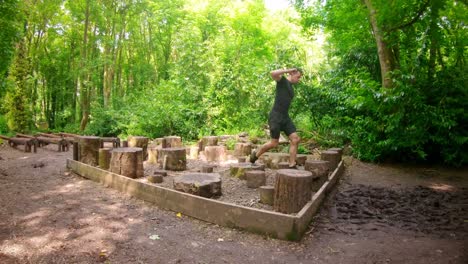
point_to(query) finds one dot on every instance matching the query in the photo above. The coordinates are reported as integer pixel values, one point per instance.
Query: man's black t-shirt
(284, 96)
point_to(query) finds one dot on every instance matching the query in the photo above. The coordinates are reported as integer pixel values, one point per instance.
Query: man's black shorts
(280, 122)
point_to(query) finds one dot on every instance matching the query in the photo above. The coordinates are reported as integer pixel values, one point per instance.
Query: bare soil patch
(49, 215)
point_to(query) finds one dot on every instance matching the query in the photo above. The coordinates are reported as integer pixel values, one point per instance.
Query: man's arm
(276, 74)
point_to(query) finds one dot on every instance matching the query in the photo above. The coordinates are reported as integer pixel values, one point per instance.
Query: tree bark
(386, 55)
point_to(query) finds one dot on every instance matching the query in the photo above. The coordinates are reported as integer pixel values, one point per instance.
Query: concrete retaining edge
(277, 225)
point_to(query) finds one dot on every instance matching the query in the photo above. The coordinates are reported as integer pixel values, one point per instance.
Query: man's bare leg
(294, 143)
(273, 143)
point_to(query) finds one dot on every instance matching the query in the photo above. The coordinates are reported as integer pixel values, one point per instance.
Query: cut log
(272, 159)
(207, 141)
(28, 143)
(155, 178)
(114, 140)
(194, 152)
(139, 142)
(292, 190)
(339, 150)
(283, 165)
(153, 153)
(75, 150)
(104, 158)
(241, 159)
(238, 170)
(320, 169)
(215, 153)
(202, 184)
(331, 156)
(160, 172)
(127, 162)
(88, 149)
(173, 159)
(255, 178)
(207, 168)
(242, 149)
(266, 194)
(61, 143)
(172, 142)
(301, 159)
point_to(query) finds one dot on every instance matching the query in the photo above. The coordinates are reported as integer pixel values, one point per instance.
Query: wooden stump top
(125, 150)
(202, 184)
(295, 173)
(88, 137)
(198, 178)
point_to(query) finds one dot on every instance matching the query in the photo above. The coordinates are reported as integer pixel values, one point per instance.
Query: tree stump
(139, 142)
(75, 150)
(241, 159)
(153, 155)
(207, 141)
(104, 158)
(238, 170)
(173, 159)
(207, 168)
(266, 194)
(320, 170)
(155, 178)
(271, 159)
(194, 152)
(339, 150)
(172, 142)
(127, 162)
(301, 159)
(292, 190)
(255, 178)
(125, 144)
(283, 165)
(201, 184)
(160, 172)
(242, 149)
(331, 156)
(215, 153)
(88, 149)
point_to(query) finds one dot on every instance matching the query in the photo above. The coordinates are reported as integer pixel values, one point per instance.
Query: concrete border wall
(283, 226)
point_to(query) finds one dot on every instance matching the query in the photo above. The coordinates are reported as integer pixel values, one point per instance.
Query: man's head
(295, 76)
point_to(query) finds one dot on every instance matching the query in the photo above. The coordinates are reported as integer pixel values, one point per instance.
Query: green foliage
(3, 125)
(18, 115)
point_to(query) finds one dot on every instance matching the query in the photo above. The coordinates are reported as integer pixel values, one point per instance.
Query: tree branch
(412, 21)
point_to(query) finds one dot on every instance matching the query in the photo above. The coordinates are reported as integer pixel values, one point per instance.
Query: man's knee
(274, 143)
(295, 139)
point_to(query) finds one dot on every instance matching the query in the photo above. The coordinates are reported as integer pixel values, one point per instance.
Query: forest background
(388, 78)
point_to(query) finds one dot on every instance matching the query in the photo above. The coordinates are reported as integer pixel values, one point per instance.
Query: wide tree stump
(292, 190)
(242, 149)
(215, 153)
(127, 162)
(255, 178)
(283, 165)
(139, 142)
(153, 153)
(339, 150)
(173, 159)
(104, 158)
(202, 184)
(320, 169)
(266, 194)
(331, 156)
(172, 142)
(88, 149)
(207, 141)
(238, 170)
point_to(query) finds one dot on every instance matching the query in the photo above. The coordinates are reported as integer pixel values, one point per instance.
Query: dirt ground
(377, 214)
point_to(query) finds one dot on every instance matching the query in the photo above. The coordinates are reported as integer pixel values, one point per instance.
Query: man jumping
(279, 119)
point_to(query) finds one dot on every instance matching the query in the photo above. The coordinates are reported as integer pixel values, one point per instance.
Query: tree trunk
(292, 190)
(385, 52)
